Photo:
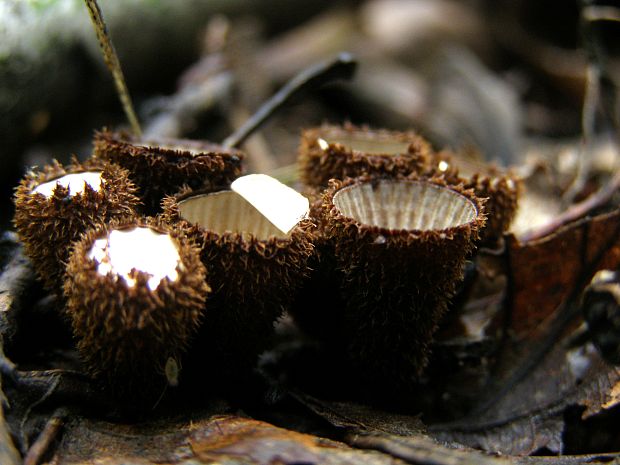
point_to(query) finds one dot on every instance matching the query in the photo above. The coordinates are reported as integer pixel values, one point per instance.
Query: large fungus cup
(255, 262)
(337, 152)
(401, 246)
(136, 292)
(55, 206)
(160, 167)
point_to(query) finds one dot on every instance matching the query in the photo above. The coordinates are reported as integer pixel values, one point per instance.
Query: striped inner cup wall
(405, 205)
(227, 212)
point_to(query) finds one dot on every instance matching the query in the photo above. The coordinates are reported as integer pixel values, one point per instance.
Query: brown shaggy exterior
(317, 308)
(48, 226)
(317, 165)
(397, 289)
(253, 280)
(500, 188)
(126, 335)
(162, 167)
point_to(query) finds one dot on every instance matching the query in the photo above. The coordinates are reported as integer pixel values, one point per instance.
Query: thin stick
(342, 67)
(49, 434)
(8, 452)
(22, 424)
(600, 88)
(576, 211)
(111, 60)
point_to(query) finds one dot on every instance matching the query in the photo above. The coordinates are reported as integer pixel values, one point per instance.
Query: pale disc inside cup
(227, 212)
(405, 205)
(141, 248)
(366, 143)
(76, 182)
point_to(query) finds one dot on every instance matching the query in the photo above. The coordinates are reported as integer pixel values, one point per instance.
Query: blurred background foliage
(495, 76)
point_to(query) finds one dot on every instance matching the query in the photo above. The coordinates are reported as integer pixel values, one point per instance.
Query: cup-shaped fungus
(255, 242)
(337, 152)
(500, 187)
(401, 245)
(136, 292)
(54, 206)
(160, 167)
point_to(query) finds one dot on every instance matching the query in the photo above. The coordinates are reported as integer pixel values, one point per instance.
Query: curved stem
(111, 60)
(341, 67)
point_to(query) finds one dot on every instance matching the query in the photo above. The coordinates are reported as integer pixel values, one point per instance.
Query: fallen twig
(423, 450)
(342, 67)
(8, 452)
(49, 434)
(600, 92)
(50, 391)
(16, 276)
(577, 211)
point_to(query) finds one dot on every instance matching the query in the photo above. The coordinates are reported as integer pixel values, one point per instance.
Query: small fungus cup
(337, 152)
(55, 206)
(500, 187)
(255, 242)
(136, 292)
(401, 246)
(160, 167)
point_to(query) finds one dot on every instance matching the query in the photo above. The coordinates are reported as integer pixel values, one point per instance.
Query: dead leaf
(359, 418)
(420, 449)
(529, 414)
(543, 273)
(211, 439)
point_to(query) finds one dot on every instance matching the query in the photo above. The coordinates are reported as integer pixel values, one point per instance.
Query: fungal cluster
(395, 224)
(162, 254)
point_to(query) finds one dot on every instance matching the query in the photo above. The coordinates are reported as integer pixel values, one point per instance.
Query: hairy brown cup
(401, 245)
(160, 167)
(49, 221)
(130, 322)
(254, 270)
(337, 152)
(500, 188)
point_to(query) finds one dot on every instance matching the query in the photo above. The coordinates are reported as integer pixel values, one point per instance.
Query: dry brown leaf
(543, 273)
(218, 439)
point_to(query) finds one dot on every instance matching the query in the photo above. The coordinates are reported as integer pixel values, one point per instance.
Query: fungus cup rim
(414, 142)
(195, 151)
(106, 313)
(243, 240)
(475, 225)
(56, 170)
(181, 241)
